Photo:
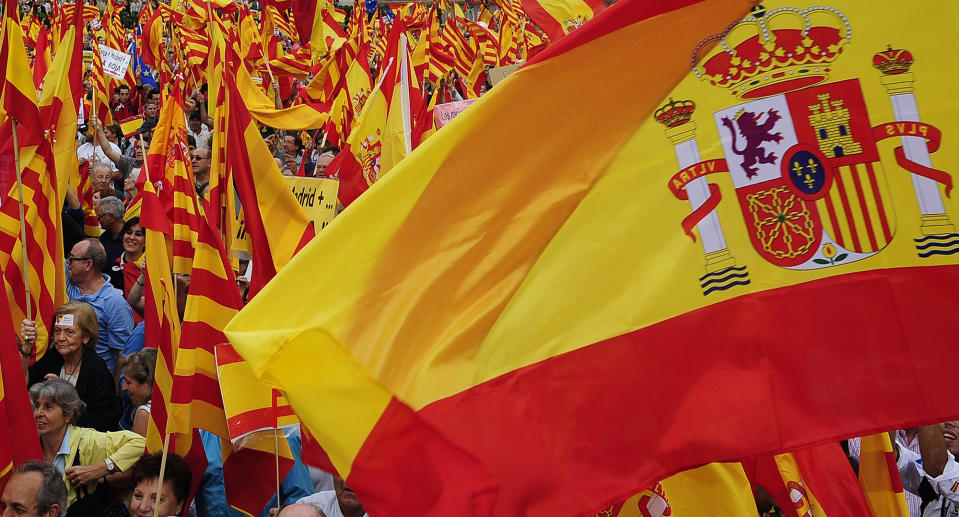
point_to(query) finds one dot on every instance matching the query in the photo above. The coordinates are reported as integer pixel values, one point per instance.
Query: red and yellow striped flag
(101, 84)
(505, 295)
(168, 164)
(41, 192)
(162, 330)
(879, 477)
(91, 225)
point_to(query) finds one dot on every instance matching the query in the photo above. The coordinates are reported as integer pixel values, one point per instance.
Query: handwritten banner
(444, 113)
(115, 62)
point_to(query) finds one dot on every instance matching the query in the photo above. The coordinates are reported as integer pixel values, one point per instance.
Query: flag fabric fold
(511, 292)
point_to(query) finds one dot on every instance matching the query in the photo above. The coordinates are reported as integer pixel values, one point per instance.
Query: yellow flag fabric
(879, 477)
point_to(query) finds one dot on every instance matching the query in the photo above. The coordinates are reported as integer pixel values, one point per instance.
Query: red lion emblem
(755, 134)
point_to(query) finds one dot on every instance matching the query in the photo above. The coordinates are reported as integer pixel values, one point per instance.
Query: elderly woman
(138, 384)
(72, 357)
(173, 493)
(83, 455)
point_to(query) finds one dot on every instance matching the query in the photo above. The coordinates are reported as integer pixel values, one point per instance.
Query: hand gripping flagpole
(25, 263)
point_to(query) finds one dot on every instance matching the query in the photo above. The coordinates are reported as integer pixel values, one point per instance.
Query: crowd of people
(92, 388)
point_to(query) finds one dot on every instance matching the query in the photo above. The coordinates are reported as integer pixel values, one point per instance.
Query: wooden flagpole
(25, 264)
(166, 449)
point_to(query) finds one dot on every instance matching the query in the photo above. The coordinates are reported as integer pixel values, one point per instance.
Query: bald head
(300, 510)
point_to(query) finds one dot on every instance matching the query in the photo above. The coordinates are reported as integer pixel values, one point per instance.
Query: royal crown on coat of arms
(801, 151)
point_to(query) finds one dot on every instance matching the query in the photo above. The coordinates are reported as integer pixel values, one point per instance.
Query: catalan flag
(41, 199)
(168, 164)
(488, 329)
(91, 225)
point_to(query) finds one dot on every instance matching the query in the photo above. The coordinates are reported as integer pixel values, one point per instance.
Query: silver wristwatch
(111, 467)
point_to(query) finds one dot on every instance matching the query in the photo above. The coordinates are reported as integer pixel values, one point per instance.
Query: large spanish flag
(515, 320)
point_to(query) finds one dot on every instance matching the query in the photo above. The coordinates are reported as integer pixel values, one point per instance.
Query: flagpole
(276, 456)
(166, 448)
(276, 447)
(25, 263)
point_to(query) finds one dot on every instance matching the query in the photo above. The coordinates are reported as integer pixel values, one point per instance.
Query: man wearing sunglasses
(86, 282)
(201, 169)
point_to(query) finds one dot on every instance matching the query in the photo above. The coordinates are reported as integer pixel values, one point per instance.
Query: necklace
(76, 368)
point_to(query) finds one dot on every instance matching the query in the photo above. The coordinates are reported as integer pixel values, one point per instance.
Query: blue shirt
(114, 316)
(60, 460)
(211, 495)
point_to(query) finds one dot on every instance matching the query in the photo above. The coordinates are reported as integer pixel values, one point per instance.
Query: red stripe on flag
(762, 380)
(835, 222)
(863, 207)
(893, 468)
(883, 220)
(848, 211)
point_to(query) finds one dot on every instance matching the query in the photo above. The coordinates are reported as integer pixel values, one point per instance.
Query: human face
(145, 496)
(123, 94)
(139, 392)
(106, 220)
(321, 163)
(69, 339)
(134, 240)
(201, 161)
(20, 496)
(950, 431)
(101, 178)
(150, 111)
(129, 185)
(50, 417)
(195, 125)
(289, 144)
(345, 496)
(78, 265)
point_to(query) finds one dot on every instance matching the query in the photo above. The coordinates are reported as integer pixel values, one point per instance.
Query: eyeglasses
(71, 259)
(196, 158)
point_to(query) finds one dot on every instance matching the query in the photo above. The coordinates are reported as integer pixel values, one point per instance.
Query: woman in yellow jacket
(84, 456)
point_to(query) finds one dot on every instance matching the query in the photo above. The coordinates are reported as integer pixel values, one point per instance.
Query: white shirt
(201, 137)
(946, 484)
(325, 501)
(94, 154)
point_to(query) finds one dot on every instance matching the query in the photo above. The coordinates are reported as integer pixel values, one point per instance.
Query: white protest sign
(444, 113)
(115, 62)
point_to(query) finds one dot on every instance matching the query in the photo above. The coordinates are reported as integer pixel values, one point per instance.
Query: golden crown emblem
(675, 113)
(776, 51)
(893, 61)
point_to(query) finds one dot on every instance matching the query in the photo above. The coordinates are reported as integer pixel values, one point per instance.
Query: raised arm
(108, 150)
(932, 448)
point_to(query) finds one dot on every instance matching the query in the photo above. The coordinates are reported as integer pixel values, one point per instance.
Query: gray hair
(53, 491)
(61, 393)
(96, 252)
(101, 165)
(319, 511)
(113, 205)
